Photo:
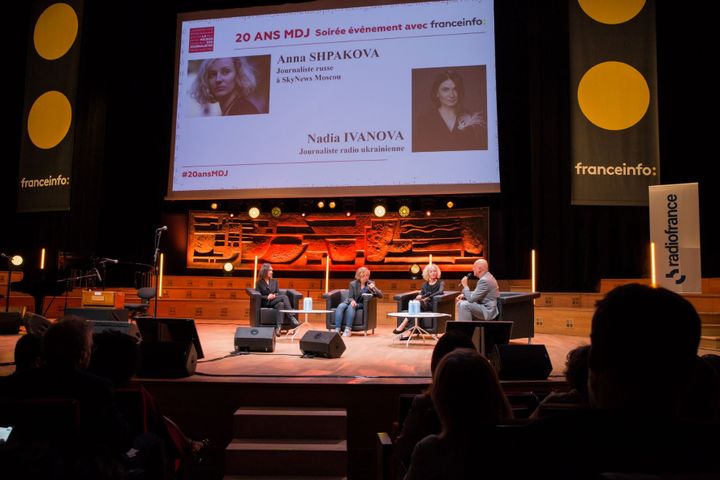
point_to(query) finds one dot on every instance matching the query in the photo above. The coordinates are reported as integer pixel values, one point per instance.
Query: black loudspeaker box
(255, 339)
(319, 343)
(521, 362)
(9, 323)
(99, 313)
(127, 328)
(167, 359)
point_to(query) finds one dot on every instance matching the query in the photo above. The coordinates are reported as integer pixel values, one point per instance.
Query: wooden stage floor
(372, 358)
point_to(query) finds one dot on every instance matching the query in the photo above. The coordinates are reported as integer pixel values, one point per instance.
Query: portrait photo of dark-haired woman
(449, 109)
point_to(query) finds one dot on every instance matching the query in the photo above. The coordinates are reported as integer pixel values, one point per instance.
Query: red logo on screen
(202, 39)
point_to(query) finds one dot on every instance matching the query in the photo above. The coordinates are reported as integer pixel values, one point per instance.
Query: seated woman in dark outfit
(268, 288)
(432, 286)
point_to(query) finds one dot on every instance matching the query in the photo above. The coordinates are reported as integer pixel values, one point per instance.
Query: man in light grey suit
(481, 303)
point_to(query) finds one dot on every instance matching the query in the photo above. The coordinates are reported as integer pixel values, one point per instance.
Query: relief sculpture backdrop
(454, 238)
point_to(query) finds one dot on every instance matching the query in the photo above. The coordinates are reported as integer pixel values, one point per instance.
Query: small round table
(305, 322)
(416, 329)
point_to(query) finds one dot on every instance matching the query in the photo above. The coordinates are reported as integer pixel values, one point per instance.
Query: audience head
(115, 356)
(446, 344)
(68, 343)
(644, 345)
(428, 269)
(702, 400)
(28, 350)
(467, 393)
(576, 368)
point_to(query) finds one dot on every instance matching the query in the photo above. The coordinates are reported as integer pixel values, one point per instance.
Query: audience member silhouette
(102, 435)
(471, 404)
(116, 356)
(28, 351)
(576, 374)
(642, 360)
(421, 419)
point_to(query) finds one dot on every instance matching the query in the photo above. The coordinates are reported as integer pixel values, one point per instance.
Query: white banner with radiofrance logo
(675, 230)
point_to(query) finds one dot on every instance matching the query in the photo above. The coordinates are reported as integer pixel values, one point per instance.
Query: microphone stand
(156, 258)
(9, 280)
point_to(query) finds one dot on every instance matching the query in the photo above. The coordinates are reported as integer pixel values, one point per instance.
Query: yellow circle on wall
(55, 31)
(49, 119)
(613, 95)
(611, 12)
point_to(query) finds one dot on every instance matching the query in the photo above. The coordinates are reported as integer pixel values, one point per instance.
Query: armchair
(444, 303)
(365, 318)
(267, 316)
(519, 308)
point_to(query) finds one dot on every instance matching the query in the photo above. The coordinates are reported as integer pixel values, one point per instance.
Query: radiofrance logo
(672, 241)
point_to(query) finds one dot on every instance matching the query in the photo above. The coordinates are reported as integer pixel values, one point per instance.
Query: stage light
(304, 206)
(450, 204)
(228, 267)
(276, 212)
(332, 204)
(404, 210)
(414, 270)
(321, 204)
(379, 210)
(427, 206)
(16, 260)
(253, 212)
(348, 207)
(213, 206)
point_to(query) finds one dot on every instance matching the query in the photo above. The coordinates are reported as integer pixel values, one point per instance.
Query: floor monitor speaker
(9, 323)
(521, 362)
(167, 359)
(255, 339)
(100, 326)
(320, 343)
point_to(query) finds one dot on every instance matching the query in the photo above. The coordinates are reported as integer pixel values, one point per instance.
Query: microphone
(164, 227)
(109, 260)
(468, 276)
(97, 273)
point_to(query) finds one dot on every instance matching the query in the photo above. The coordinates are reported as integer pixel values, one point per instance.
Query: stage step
(710, 343)
(259, 457)
(290, 423)
(277, 441)
(284, 477)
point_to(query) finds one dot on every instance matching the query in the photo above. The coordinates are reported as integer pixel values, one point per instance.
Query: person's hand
(464, 282)
(469, 120)
(271, 296)
(419, 297)
(353, 303)
(460, 297)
